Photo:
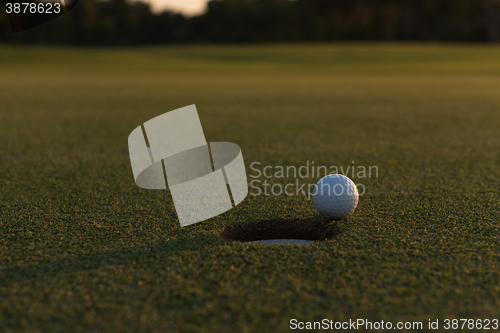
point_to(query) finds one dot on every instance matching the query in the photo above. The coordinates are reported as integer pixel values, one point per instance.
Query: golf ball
(335, 196)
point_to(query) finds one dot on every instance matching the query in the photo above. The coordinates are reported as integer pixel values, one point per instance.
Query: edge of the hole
(317, 229)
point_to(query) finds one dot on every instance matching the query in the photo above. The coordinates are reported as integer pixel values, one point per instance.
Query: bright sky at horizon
(188, 7)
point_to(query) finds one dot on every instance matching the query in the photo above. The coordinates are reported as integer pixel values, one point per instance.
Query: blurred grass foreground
(82, 248)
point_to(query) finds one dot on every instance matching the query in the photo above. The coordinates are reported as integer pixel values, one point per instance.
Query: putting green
(83, 248)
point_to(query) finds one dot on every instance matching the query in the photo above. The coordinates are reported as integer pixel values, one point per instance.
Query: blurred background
(121, 22)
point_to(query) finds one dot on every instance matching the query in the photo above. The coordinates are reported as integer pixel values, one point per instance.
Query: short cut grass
(82, 248)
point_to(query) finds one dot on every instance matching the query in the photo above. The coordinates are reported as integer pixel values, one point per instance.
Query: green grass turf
(84, 249)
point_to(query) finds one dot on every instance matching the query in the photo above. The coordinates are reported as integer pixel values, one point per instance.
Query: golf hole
(284, 232)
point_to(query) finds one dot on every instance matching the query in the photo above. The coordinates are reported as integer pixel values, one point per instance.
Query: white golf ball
(335, 196)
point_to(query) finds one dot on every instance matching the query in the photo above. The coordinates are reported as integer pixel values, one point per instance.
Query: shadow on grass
(19, 273)
(317, 229)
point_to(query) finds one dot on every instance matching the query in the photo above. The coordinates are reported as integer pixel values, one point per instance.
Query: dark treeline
(118, 22)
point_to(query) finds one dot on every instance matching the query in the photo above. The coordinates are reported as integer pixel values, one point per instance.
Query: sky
(188, 7)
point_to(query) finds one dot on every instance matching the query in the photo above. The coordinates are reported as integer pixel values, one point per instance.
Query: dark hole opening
(317, 229)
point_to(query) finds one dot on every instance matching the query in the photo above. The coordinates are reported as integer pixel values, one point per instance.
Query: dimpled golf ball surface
(335, 196)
